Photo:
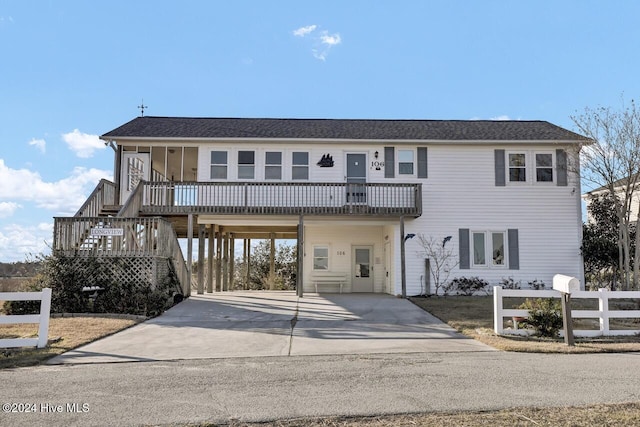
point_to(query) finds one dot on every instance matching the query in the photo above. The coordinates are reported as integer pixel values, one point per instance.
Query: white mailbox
(565, 284)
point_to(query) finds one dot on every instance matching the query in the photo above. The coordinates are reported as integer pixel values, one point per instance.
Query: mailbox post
(565, 285)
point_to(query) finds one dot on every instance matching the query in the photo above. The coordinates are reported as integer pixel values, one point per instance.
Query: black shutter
(389, 162)
(463, 243)
(499, 168)
(422, 162)
(514, 249)
(561, 168)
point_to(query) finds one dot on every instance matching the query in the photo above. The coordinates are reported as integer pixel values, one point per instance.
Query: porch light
(409, 236)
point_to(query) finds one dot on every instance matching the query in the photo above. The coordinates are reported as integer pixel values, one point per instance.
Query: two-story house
(505, 194)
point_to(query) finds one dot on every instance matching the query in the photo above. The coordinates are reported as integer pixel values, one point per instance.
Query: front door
(135, 168)
(356, 174)
(362, 269)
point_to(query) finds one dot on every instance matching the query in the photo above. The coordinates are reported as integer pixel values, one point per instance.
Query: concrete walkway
(254, 324)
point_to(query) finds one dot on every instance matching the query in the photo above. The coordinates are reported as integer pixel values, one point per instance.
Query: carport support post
(189, 247)
(211, 235)
(201, 259)
(232, 260)
(272, 262)
(219, 260)
(225, 263)
(403, 273)
(300, 256)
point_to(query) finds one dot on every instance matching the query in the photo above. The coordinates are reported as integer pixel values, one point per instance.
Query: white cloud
(502, 117)
(303, 31)
(63, 197)
(18, 242)
(330, 39)
(322, 41)
(83, 144)
(40, 144)
(8, 208)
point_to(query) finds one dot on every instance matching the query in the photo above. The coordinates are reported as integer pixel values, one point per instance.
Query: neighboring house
(620, 187)
(347, 190)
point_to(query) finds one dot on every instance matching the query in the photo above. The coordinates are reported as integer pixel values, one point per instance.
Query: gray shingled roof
(434, 130)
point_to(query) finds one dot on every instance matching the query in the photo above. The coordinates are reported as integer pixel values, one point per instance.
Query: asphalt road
(268, 388)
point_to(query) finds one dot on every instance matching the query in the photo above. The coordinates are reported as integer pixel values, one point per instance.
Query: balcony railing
(258, 198)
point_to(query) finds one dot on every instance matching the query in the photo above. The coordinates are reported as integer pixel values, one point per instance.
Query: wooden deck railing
(159, 198)
(103, 195)
(115, 236)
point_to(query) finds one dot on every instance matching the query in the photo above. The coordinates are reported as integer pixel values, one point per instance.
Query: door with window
(135, 168)
(356, 177)
(362, 269)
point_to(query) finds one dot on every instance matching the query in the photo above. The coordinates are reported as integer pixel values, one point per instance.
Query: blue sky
(73, 70)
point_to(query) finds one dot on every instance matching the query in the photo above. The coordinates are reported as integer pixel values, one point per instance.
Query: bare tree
(441, 259)
(612, 164)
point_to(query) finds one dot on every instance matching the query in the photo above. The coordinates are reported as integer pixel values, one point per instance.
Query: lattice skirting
(139, 269)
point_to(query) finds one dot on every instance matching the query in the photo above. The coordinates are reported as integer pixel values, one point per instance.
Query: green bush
(545, 316)
(509, 283)
(66, 277)
(469, 285)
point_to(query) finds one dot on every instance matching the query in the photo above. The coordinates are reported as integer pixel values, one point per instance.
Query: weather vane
(142, 107)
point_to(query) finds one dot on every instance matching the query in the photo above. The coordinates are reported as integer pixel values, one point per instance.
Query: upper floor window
(218, 165)
(544, 167)
(300, 165)
(517, 167)
(273, 165)
(405, 162)
(246, 164)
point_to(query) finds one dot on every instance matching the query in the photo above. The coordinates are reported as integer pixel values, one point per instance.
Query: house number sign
(377, 165)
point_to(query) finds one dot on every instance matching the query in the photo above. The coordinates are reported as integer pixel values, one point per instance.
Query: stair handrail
(104, 194)
(167, 235)
(132, 206)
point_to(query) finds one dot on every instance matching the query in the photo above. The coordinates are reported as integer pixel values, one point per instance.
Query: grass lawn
(627, 414)
(473, 316)
(65, 333)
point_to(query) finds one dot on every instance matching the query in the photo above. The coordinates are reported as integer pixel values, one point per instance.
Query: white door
(135, 168)
(362, 269)
(356, 174)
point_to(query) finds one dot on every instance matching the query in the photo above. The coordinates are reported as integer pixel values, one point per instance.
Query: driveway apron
(257, 324)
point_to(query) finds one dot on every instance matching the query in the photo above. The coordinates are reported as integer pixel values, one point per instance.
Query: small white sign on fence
(107, 231)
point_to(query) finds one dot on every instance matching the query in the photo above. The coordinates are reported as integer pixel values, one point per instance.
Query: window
(489, 242)
(405, 162)
(479, 257)
(300, 165)
(246, 164)
(544, 167)
(497, 243)
(517, 167)
(273, 165)
(218, 165)
(321, 258)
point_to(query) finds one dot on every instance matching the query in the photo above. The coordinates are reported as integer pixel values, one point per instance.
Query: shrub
(66, 278)
(509, 283)
(545, 316)
(469, 285)
(537, 285)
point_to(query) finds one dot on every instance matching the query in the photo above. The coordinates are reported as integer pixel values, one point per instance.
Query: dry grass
(65, 333)
(626, 414)
(473, 316)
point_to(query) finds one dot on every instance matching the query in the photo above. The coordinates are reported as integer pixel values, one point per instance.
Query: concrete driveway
(253, 324)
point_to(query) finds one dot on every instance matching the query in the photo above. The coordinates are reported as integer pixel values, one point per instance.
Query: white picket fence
(603, 314)
(42, 319)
